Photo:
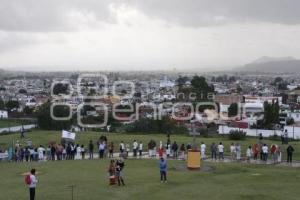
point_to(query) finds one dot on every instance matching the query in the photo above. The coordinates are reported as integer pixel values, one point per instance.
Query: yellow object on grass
(193, 159)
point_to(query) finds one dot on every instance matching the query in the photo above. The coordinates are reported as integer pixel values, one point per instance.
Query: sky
(116, 35)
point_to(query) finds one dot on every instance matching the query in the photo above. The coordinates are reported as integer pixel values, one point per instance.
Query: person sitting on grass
(163, 170)
(119, 171)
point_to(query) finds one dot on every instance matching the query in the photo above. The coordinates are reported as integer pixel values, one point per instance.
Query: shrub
(237, 135)
(203, 132)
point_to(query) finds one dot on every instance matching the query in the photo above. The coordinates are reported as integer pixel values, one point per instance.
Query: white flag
(68, 135)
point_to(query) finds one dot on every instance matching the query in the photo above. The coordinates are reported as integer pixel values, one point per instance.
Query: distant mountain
(265, 59)
(274, 65)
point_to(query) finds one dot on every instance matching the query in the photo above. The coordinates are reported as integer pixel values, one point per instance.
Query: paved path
(145, 155)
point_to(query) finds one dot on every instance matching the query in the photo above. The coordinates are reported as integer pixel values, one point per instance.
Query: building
(3, 114)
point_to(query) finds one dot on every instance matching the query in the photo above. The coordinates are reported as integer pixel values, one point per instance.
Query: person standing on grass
(278, 151)
(140, 148)
(69, 152)
(41, 150)
(221, 151)
(122, 147)
(111, 150)
(255, 149)
(27, 154)
(290, 151)
(238, 151)
(163, 170)
(82, 152)
(203, 149)
(249, 153)
(175, 150)
(64, 152)
(135, 148)
(101, 149)
(232, 151)
(182, 151)
(168, 150)
(112, 173)
(53, 150)
(91, 150)
(32, 185)
(273, 153)
(127, 149)
(119, 171)
(78, 152)
(265, 151)
(213, 150)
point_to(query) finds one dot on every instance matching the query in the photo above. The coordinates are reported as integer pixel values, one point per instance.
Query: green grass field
(43, 137)
(224, 181)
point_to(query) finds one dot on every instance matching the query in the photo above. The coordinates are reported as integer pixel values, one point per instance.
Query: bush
(203, 132)
(237, 135)
(165, 126)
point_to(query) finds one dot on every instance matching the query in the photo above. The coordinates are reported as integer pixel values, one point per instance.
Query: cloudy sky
(145, 34)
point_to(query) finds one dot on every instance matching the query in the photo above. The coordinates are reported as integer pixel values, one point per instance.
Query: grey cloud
(48, 15)
(213, 12)
(11, 41)
(52, 15)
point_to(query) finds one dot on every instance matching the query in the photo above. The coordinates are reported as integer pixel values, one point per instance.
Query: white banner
(3, 155)
(68, 135)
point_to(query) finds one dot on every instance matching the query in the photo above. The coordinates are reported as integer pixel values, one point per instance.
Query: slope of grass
(226, 181)
(4, 123)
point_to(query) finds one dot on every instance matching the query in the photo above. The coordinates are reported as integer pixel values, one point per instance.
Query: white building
(3, 114)
(294, 114)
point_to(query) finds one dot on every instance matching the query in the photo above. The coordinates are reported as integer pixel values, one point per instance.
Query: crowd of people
(107, 149)
(257, 151)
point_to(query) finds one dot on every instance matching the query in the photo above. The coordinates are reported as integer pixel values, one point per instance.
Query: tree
(271, 113)
(181, 80)
(239, 89)
(2, 104)
(23, 91)
(232, 79)
(282, 85)
(165, 125)
(278, 80)
(12, 104)
(233, 110)
(27, 110)
(45, 120)
(201, 88)
(60, 88)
